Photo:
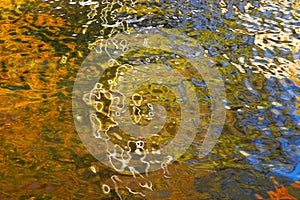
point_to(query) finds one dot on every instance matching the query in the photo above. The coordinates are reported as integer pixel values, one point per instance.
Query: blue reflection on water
(279, 151)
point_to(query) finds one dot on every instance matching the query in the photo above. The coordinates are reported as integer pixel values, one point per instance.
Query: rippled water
(255, 45)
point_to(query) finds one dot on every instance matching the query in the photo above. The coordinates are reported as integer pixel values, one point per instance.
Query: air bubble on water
(93, 169)
(98, 86)
(110, 82)
(105, 189)
(150, 106)
(137, 99)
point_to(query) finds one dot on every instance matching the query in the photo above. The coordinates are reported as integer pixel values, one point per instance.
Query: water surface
(255, 45)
